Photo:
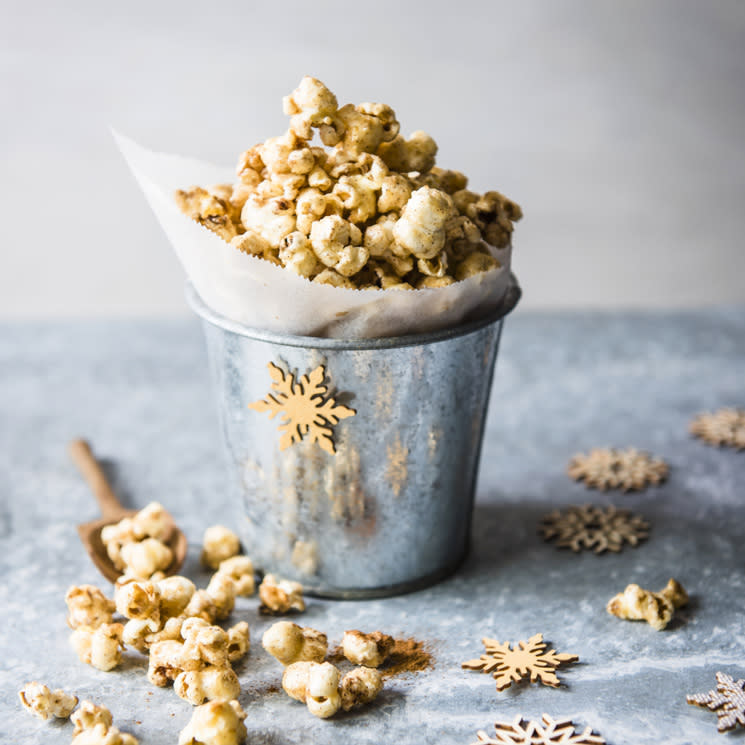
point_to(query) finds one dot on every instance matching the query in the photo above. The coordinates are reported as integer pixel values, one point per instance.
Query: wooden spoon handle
(90, 468)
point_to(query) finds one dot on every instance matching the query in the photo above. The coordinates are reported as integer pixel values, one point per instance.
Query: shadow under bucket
(355, 461)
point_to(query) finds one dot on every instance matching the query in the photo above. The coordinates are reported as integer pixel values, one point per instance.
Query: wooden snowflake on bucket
(307, 411)
(606, 468)
(724, 427)
(597, 528)
(509, 665)
(728, 701)
(546, 732)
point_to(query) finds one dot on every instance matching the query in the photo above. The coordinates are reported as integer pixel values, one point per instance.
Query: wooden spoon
(113, 512)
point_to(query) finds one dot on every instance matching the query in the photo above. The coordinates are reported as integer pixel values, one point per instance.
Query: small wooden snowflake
(723, 427)
(305, 408)
(594, 528)
(728, 701)
(629, 470)
(546, 732)
(509, 665)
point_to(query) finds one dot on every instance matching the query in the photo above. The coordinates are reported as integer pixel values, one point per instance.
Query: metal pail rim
(508, 303)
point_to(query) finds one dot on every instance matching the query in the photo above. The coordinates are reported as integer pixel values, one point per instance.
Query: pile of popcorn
(370, 212)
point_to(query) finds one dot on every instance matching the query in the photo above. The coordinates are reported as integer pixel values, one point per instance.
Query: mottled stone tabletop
(140, 392)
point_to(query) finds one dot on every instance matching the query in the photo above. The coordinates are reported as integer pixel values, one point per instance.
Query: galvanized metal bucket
(358, 479)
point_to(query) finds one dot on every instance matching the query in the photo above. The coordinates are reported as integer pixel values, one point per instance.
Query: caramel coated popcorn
(280, 595)
(43, 703)
(219, 543)
(369, 650)
(137, 545)
(218, 722)
(367, 210)
(290, 643)
(656, 608)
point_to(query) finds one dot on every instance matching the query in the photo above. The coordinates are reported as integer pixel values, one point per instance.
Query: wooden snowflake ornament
(509, 665)
(598, 529)
(728, 701)
(628, 470)
(723, 427)
(546, 732)
(306, 409)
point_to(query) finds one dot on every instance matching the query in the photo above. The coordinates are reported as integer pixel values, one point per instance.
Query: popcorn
(139, 600)
(288, 190)
(322, 693)
(318, 686)
(166, 662)
(241, 570)
(100, 647)
(359, 687)
(146, 558)
(281, 596)
(88, 715)
(215, 723)
(175, 594)
(366, 649)
(219, 543)
(291, 643)
(211, 683)
(201, 605)
(656, 608)
(208, 644)
(222, 590)
(88, 606)
(102, 735)
(43, 703)
(239, 641)
(336, 242)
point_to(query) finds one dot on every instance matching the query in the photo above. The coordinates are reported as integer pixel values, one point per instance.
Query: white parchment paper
(264, 296)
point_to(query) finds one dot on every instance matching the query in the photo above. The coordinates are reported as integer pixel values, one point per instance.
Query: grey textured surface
(564, 383)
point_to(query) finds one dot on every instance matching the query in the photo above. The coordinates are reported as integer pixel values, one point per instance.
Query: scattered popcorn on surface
(88, 715)
(281, 596)
(241, 570)
(306, 207)
(137, 545)
(359, 687)
(215, 723)
(88, 606)
(100, 647)
(290, 643)
(219, 544)
(43, 703)
(656, 608)
(366, 649)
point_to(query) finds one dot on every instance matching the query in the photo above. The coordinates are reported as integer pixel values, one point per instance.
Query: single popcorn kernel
(322, 694)
(290, 643)
(222, 590)
(100, 647)
(206, 643)
(219, 543)
(139, 600)
(211, 683)
(175, 594)
(88, 715)
(241, 570)
(145, 559)
(656, 608)
(88, 606)
(281, 596)
(100, 734)
(359, 687)
(153, 521)
(166, 662)
(239, 641)
(215, 723)
(43, 703)
(421, 227)
(370, 650)
(295, 680)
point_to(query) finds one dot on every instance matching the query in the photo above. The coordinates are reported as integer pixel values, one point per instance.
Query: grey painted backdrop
(618, 126)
